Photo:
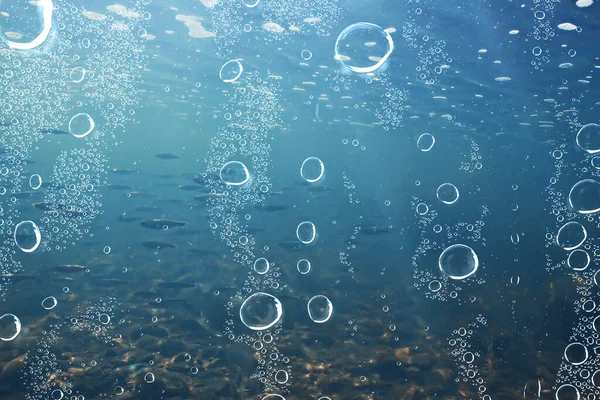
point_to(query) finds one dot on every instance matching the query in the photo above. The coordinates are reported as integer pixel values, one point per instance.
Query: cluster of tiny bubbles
(435, 283)
(73, 200)
(389, 109)
(542, 16)
(462, 348)
(43, 375)
(350, 189)
(472, 160)
(276, 20)
(244, 138)
(432, 55)
(579, 371)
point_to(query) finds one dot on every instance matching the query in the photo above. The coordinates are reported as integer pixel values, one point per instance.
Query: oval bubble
(231, 71)
(596, 378)
(576, 353)
(261, 266)
(306, 232)
(57, 394)
(49, 302)
(312, 169)
(273, 397)
(435, 285)
(77, 74)
(281, 377)
(261, 311)
(320, 309)
(571, 235)
(447, 193)
(234, 173)
(35, 181)
(363, 47)
(27, 236)
(250, 3)
(422, 208)
(303, 266)
(306, 55)
(578, 260)
(567, 392)
(81, 125)
(10, 327)
(29, 24)
(584, 196)
(588, 138)
(425, 142)
(458, 261)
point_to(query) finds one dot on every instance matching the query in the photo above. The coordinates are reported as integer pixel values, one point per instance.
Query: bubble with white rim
(567, 392)
(281, 377)
(306, 55)
(588, 138)
(261, 266)
(303, 266)
(234, 173)
(458, 261)
(447, 193)
(81, 125)
(250, 3)
(422, 208)
(261, 311)
(578, 260)
(584, 196)
(35, 181)
(320, 309)
(273, 397)
(576, 353)
(29, 26)
(27, 236)
(363, 47)
(306, 232)
(77, 74)
(312, 169)
(10, 327)
(425, 142)
(57, 394)
(49, 303)
(571, 235)
(231, 71)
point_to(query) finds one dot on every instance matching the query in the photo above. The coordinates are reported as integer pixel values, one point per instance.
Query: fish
(319, 189)
(176, 285)
(166, 156)
(290, 244)
(126, 218)
(52, 131)
(139, 194)
(109, 282)
(146, 295)
(160, 224)
(124, 171)
(145, 209)
(204, 197)
(207, 180)
(190, 187)
(21, 195)
(69, 268)
(118, 187)
(16, 278)
(372, 229)
(158, 245)
(47, 206)
(271, 207)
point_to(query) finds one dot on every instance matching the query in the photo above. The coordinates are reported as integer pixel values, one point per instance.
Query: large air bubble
(10, 327)
(584, 196)
(312, 169)
(306, 232)
(447, 193)
(234, 173)
(425, 142)
(81, 125)
(25, 25)
(588, 138)
(571, 235)
(231, 71)
(320, 309)
(363, 47)
(576, 353)
(578, 260)
(27, 236)
(458, 261)
(261, 311)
